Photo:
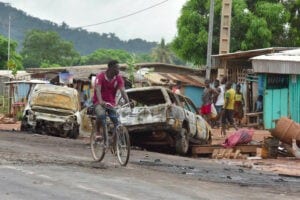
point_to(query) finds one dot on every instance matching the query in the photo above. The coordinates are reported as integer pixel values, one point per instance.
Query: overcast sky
(152, 24)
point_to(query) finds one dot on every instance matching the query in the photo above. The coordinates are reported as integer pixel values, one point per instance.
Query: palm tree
(162, 53)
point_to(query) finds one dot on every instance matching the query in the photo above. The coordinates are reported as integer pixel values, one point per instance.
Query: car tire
(74, 133)
(24, 125)
(182, 142)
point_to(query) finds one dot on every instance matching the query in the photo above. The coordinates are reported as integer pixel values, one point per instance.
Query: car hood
(54, 100)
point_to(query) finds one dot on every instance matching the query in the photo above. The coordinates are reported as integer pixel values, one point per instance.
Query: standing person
(228, 108)
(106, 86)
(238, 104)
(176, 88)
(220, 98)
(207, 100)
(259, 104)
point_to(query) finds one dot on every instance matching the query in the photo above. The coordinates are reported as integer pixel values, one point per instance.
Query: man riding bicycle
(106, 86)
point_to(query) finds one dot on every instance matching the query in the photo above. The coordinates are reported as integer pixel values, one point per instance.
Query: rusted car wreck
(52, 110)
(163, 118)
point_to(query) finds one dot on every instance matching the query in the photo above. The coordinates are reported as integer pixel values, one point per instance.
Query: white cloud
(152, 25)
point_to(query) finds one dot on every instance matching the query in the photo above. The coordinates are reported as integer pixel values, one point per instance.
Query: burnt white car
(52, 110)
(163, 118)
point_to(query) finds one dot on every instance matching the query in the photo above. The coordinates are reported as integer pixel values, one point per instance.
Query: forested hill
(84, 42)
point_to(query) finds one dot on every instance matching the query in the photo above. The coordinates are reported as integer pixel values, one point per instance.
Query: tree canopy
(15, 59)
(254, 24)
(42, 47)
(103, 56)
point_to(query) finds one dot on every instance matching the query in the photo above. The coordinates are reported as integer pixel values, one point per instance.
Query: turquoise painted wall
(294, 100)
(275, 105)
(195, 94)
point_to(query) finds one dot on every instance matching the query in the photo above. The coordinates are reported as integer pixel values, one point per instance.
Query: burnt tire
(73, 134)
(24, 125)
(182, 142)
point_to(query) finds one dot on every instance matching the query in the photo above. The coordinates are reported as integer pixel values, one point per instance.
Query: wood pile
(228, 153)
(6, 120)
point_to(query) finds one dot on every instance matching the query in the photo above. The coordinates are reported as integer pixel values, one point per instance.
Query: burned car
(52, 110)
(160, 117)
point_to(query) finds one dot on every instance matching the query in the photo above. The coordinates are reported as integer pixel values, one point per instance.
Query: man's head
(113, 68)
(224, 80)
(228, 85)
(216, 83)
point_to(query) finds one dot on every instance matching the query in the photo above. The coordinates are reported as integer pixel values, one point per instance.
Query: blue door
(275, 99)
(294, 91)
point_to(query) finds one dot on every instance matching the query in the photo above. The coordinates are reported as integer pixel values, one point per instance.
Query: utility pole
(8, 46)
(209, 42)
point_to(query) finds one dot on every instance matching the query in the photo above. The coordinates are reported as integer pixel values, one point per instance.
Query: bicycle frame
(116, 142)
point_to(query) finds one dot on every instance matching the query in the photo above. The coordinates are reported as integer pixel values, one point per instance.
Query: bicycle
(114, 138)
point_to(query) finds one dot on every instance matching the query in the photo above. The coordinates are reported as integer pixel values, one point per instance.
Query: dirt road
(44, 167)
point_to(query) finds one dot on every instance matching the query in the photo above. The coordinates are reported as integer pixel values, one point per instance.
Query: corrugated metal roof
(172, 78)
(285, 62)
(251, 53)
(83, 72)
(8, 74)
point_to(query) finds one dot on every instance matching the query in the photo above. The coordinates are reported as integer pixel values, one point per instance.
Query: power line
(124, 16)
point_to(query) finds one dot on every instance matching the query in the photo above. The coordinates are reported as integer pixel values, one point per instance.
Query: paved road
(42, 167)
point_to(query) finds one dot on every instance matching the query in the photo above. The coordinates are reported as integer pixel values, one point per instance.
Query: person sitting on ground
(106, 86)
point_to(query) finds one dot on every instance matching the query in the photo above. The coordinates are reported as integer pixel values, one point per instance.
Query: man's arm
(99, 96)
(226, 100)
(124, 94)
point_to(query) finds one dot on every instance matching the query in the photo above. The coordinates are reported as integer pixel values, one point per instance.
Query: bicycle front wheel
(122, 145)
(97, 146)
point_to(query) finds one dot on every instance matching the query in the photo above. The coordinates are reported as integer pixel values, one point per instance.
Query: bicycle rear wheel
(122, 145)
(97, 146)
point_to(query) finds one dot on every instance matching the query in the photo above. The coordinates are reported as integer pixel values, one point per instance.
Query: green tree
(47, 47)
(15, 58)
(131, 69)
(254, 24)
(103, 56)
(162, 53)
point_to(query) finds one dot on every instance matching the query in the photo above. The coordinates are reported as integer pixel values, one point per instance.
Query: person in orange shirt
(228, 108)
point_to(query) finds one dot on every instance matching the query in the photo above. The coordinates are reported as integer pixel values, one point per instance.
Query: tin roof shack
(191, 86)
(280, 76)
(238, 68)
(19, 94)
(7, 92)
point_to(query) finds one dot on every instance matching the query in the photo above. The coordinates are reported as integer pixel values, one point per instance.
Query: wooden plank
(209, 149)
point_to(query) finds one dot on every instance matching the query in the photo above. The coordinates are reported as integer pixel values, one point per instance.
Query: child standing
(238, 104)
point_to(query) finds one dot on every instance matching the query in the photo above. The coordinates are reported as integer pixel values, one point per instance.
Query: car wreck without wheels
(163, 118)
(52, 110)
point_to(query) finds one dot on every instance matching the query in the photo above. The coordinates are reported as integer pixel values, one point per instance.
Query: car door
(201, 125)
(190, 115)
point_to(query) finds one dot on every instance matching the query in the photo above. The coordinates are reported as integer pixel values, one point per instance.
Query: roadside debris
(6, 120)
(296, 149)
(241, 136)
(288, 132)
